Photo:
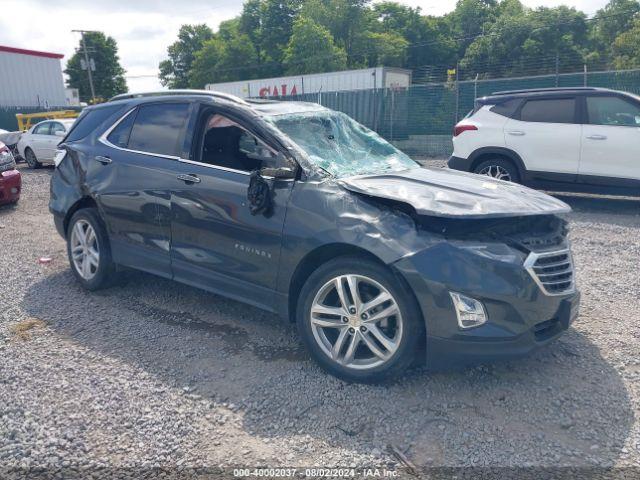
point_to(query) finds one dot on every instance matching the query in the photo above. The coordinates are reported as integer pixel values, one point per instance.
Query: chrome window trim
(533, 257)
(104, 140)
(216, 167)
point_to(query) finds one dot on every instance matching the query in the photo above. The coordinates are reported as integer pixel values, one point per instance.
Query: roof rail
(206, 93)
(542, 90)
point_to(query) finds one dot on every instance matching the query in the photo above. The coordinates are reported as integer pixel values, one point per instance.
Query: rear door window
(89, 121)
(613, 111)
(158, 128)
(42, 129)
(56, 127)
(555, 110)
(508, 108)
(119, 136)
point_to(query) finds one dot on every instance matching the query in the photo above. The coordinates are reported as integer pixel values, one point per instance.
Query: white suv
(571, 139)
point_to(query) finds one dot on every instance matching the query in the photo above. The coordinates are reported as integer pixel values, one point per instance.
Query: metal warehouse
(30, 79)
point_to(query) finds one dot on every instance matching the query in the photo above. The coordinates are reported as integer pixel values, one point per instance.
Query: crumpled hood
(449, 193)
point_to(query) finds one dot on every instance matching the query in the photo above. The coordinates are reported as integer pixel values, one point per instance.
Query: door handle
(516, 133)
(188, 178)
(597, 137)
(103, 160)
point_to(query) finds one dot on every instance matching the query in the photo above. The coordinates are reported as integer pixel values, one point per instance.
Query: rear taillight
(458, 129)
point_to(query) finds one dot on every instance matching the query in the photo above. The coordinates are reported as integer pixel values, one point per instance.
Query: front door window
(612, 111)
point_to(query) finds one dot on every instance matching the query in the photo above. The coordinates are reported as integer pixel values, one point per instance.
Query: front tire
(498, 168)
(89, 250)
(31, 159)
(359, 321)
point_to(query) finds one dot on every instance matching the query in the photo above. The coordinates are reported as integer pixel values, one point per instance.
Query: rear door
(134, 170)
(56, 133)
(40, 139)
(217, 243)
(545, 132)
(611, 141)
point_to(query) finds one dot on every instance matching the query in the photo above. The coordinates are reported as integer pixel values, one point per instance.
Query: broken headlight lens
(6, 160)
(470, 312)
(495, 251)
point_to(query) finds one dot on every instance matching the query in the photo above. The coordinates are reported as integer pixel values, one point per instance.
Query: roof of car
(262, 107)
(532, 92)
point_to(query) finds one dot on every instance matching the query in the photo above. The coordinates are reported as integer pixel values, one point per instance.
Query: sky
(145, 28)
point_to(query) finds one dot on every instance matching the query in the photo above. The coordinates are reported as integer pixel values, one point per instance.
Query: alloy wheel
(85, 250)
(497, 172)
(356, 322)
(31, 159)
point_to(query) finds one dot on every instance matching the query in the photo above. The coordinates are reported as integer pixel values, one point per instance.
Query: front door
(134, 169)
(546, 135)
(611, 142)
(217, 243)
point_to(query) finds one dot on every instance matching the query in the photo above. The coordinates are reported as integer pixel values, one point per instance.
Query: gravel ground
(154, 374)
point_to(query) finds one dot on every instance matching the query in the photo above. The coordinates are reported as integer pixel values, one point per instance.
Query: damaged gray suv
(301, 211)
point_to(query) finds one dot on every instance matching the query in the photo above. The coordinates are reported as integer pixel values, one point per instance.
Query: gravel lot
(155, 374)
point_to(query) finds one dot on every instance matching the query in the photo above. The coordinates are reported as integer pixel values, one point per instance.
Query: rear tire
(498, 168)
(367, 340)
(31, 159)
(89, 250)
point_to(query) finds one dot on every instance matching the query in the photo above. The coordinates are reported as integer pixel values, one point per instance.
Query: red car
(10, 179)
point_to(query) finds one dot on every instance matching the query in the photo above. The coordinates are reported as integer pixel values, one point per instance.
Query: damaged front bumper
(520, 316)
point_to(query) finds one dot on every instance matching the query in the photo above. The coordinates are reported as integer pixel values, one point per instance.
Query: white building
(29, 78)
(73, 97)
(365, 79)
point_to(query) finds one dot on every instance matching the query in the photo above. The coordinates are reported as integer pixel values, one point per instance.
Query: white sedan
(38, 145)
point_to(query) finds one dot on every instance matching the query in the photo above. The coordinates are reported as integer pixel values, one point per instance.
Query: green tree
(204, 67)
(312, 49)
(348, 21)
(626, 47)
(615, 18)
(238, 60)
(174, 71)
(528, 43)
(386, 49)
(108, 77)
(278, 17)
(428, 38)
(470, 19)
(250, 24)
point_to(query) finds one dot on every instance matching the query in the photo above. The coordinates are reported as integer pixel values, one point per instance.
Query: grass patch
(23, 329)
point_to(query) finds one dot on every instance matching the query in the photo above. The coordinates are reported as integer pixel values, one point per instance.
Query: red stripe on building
(33, 53)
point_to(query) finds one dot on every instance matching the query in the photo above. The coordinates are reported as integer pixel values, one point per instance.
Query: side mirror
(60, 133)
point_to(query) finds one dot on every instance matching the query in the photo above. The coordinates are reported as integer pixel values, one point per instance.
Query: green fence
(8, 115)
(419, 120)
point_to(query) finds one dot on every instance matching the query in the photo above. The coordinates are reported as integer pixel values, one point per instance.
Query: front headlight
(495, 251)
(7, 161)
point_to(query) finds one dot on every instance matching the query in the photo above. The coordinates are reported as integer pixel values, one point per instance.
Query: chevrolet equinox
(301, 211)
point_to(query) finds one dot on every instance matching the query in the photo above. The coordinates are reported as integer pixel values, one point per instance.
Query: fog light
(470, 312)
(14, 190)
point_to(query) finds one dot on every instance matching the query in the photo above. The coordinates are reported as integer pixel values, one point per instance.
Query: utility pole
(87, 62)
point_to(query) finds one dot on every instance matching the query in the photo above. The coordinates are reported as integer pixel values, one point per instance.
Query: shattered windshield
(341, 146)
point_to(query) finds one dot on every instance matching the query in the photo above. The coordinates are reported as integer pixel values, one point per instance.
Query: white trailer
(348, 80)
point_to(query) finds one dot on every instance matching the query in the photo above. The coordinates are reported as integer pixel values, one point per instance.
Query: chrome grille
(552, 271)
